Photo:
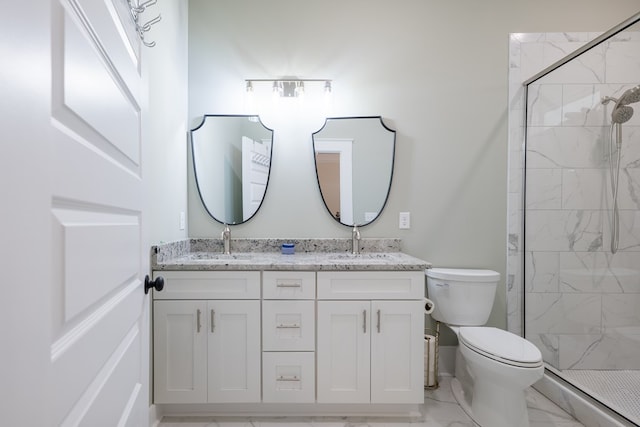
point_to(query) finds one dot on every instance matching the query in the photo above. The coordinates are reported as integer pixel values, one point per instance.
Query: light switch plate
(405, 220)
(182, 221)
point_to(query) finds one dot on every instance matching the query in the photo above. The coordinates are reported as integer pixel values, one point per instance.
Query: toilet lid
(463, 274)
(501, 345)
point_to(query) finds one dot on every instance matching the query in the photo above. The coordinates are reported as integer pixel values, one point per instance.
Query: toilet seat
(502, 346)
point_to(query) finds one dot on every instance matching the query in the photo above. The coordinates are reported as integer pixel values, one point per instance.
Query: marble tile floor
(440, 410)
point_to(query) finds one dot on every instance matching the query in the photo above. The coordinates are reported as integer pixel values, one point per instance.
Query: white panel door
(180, 351)
(256, 160)
(234, 351)
(397, 352)
(343, 351)
(76, 97)
(100, 339)
(344, 149)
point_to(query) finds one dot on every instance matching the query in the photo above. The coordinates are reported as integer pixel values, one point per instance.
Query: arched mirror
(354, 166)
(231, 162)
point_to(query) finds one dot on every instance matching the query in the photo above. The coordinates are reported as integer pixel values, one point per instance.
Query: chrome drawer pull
(281, 378)
(288, 285)
(213, 320)
(292, 326)
(198, 324)
(378, 321)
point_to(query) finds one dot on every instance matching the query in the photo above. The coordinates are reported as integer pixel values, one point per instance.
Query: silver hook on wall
(148, 3)
(146, 27)
(136, 9)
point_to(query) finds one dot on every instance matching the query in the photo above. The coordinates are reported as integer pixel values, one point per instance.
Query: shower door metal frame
(602, 37)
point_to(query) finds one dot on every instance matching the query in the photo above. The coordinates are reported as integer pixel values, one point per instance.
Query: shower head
(630, 96)
(621, 114)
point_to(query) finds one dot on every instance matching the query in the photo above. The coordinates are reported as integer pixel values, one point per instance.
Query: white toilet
(493, 367)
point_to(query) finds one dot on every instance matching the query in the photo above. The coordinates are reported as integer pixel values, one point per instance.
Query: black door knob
(156, 284)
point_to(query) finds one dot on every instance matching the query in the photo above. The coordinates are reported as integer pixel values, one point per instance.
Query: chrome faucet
(226, 239)
(355, 240)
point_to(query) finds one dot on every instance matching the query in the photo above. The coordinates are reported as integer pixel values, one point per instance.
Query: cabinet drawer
(288, 325)
(289, 284)
(288, 377)
(209, 285)
(345, 285)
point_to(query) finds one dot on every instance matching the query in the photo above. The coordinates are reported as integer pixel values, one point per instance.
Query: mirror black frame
(195, 171)
(393, 156)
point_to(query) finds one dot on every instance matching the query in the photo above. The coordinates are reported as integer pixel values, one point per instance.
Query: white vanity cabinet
(206, 328)
(330, 341)
(370, 337)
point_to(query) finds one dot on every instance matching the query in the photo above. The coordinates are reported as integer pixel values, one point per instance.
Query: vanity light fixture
(289, 87)
(249, 101)
(277, 89)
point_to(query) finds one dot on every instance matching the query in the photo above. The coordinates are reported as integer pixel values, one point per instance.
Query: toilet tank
(462, 297)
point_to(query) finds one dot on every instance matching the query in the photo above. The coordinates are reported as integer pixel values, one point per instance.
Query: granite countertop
(264, 254)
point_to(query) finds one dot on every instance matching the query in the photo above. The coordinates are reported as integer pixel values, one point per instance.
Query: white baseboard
(268, 410)
(155, 415)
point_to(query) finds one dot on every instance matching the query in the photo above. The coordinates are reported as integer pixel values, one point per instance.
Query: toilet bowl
(493, 367)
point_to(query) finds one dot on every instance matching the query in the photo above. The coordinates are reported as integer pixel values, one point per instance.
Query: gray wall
(437, 73)
(165, 123)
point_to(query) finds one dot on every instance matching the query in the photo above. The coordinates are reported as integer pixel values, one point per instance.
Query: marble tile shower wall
(581, 301)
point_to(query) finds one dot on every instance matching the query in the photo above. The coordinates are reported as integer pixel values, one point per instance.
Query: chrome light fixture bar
(289, 87)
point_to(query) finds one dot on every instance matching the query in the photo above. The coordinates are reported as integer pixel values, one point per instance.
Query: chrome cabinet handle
(378, 321)
(213, 320)
(288, 285)
(291, 326)
(364, 321)
(198, 324)
(283, 378)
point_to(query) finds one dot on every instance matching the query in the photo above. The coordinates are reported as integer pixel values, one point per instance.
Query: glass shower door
(582, 301)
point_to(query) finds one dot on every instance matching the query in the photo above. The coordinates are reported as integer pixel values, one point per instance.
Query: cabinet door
(234, 351)
(343, 351)
(397, 352)
(179, 351)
